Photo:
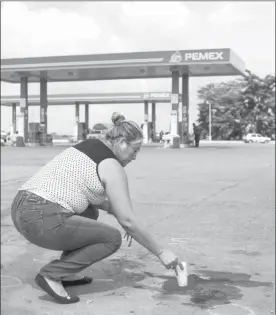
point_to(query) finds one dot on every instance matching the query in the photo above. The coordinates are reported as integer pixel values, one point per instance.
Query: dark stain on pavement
(211, 288)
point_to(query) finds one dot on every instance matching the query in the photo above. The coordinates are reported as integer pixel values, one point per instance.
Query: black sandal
(82, 281)
(43, 284)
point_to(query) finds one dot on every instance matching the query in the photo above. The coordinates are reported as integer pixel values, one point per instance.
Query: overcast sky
(40, 28)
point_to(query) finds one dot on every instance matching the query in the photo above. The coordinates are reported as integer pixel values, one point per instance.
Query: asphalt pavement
(213, 205)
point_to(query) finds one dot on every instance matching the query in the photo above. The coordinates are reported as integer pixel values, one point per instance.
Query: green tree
(224, 98)
(238, 107)
(258, 97)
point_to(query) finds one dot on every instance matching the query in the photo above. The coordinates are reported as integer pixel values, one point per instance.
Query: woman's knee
(116, 239)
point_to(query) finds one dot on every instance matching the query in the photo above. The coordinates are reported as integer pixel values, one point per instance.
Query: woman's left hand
(128, 238)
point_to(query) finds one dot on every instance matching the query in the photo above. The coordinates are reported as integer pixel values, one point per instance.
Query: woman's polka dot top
(71, 179)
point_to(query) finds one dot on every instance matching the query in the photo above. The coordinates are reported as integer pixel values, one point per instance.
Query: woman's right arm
(115, 182)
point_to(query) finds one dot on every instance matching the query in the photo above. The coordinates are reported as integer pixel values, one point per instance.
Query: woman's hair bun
(117, 118)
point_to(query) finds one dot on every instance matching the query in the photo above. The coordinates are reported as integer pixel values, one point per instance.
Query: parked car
(95, 134)
(171, 139)
(4, 136)
(256, 138)
(167, 136)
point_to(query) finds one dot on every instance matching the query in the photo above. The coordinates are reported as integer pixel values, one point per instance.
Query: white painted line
(18, 282)
(249, 311)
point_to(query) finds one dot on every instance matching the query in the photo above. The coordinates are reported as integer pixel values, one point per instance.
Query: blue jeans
(81, 238)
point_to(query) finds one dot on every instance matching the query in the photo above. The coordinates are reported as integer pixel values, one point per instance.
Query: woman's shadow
(108, 275)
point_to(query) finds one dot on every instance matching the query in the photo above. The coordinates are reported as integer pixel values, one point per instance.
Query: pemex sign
(213, 55)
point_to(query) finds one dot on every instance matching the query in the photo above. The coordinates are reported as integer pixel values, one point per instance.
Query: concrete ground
(214, 206)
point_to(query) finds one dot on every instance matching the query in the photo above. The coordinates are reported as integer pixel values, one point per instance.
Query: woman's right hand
(168, 259)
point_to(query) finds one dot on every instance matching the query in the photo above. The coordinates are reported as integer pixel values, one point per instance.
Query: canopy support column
(146, 120)
(43, 109)
(13, 118)
(76, 131)
(174, 102)
(185, 107)
(23, 117)
(153, 118)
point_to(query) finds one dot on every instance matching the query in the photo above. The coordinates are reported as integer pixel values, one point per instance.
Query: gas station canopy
(138, 65)
(106, 98)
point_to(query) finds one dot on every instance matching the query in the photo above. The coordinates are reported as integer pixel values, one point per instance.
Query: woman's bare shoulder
(110, 169)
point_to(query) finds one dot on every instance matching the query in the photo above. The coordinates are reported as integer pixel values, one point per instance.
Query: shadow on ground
(111, 276)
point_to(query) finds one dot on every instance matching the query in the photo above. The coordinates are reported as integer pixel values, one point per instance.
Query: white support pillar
(76, 129)
(43, 109)
(153, 119)
(146, 120)
(14, 118)
(23, 120)
(174, 102)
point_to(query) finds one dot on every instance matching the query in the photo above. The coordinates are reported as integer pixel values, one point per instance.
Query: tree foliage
(238, 107)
